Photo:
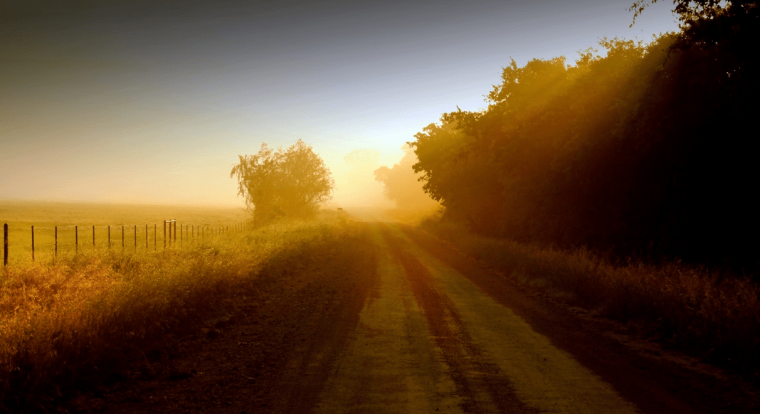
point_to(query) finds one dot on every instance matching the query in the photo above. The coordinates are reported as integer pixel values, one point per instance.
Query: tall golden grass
(707, 314)
(75, 320)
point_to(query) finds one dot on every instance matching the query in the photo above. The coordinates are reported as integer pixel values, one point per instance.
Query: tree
(283, 183)
(402, 184)
(642, 151)
(690, 11)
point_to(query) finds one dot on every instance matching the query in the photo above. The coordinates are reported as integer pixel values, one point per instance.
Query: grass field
(74, 321)
(45, 216)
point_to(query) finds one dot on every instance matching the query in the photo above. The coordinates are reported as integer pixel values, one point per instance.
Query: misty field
(45, 216)
(76, 320)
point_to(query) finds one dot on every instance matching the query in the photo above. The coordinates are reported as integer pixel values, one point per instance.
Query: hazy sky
(152, 101)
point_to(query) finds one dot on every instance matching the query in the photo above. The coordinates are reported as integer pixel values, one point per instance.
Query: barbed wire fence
(188, 233)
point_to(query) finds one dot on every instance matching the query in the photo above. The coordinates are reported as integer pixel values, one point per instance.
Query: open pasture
(132, 218)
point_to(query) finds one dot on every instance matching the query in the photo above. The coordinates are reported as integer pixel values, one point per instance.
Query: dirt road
(400, 322)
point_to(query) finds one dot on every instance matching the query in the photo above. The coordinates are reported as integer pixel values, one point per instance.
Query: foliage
(402, 184)
(643, 151)
(290, 183)
(693, 11)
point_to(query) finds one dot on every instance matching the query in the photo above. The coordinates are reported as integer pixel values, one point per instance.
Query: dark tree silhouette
(649, 150)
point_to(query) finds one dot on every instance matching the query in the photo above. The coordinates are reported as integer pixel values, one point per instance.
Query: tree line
(645, 150)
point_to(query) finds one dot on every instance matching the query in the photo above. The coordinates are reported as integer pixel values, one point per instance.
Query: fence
(187, 233)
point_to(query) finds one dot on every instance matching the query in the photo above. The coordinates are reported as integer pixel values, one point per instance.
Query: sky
(152, 101)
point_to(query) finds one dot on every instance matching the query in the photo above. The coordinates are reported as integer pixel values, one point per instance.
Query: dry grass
(717, 318)
(74, 321)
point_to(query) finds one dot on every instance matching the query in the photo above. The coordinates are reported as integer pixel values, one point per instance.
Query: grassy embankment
(74, 321)
(712, 316)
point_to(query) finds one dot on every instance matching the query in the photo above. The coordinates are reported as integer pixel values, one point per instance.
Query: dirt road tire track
(655, 385)
(398, 321)
(460, 353)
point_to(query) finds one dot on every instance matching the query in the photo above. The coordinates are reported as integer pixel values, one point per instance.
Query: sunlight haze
(141, 102)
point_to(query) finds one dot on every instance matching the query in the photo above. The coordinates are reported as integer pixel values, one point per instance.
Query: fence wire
(28, 241)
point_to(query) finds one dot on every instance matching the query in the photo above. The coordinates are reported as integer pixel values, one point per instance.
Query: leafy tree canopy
(647, 150)
(283, 183)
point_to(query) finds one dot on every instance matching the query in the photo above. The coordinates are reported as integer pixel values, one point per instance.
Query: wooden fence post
(109, 237)
(164, 234)
(93, 236)
(5, 244)
(175, 232)
(56, 241)
(32, 243)
(122, 237)
(135, 238)
(146, 237)
(155, 230)
(76, 239)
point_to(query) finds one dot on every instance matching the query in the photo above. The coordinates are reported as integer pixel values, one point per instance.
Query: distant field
(44, 216)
